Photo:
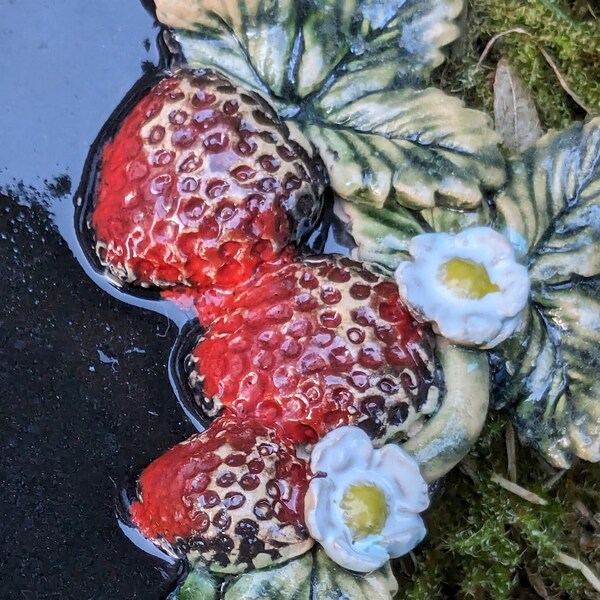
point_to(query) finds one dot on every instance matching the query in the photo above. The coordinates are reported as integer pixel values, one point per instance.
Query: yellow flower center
(365, 509)
(467, 278)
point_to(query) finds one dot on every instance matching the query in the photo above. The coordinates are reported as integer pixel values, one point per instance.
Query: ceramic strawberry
(232, 496)
(316, 344)
(200, 184)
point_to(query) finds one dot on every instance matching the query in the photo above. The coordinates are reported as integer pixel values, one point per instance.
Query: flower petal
(402, 471)
(353, 557)
(409, 530)
(345, 457)
(330, 455)
(471, 321)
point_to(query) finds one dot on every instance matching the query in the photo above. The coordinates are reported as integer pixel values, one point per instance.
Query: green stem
(449, 435)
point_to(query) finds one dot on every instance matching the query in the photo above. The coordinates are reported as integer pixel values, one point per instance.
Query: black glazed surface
(85, 397)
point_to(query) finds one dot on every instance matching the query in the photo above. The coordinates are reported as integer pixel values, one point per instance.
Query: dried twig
(563, 84)
(537, 583)
(469, 467)
(491, 43)
(511, 452)
(554, 479)
(546, 466)
(513, 488)
(575, 563)
(582, 509)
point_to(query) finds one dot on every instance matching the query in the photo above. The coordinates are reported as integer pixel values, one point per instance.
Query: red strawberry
(201, 183)
(318, 344)
(208, 303)
(233, 495)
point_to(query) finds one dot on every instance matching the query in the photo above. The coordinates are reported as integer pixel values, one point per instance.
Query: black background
(84, 395)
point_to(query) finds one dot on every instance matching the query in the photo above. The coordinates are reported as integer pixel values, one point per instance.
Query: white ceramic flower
(363, 504)
(468, 285)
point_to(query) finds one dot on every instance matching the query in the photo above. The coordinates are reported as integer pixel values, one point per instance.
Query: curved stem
(449, 435)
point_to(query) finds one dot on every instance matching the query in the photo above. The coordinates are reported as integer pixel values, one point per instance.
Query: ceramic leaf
(381, 235)
(552, 206)
(313, 576)
(346, 73)
(553, 378)
(291, 581)
(332, 582)
(419, 145)
(298, 47)
(198, 585)
(353, 47)
(442, 218)
(551, 210)
(222, 54)
(575, 315)
(251, 41)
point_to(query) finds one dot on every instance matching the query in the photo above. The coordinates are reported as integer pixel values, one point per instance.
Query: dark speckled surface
(84, 394)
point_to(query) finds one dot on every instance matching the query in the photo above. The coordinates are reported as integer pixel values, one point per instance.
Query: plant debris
(516, 116)
(558, 59)
(486, 542)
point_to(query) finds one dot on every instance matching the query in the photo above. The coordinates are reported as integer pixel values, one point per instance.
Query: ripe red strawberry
(232, 495)
(201, 183)
(317, 344)
(208, 303)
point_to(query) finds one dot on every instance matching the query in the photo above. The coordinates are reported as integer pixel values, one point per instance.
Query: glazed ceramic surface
(208, 191)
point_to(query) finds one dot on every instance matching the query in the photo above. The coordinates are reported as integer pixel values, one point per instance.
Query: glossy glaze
(317, 344)
(232, 495)
(200, 185)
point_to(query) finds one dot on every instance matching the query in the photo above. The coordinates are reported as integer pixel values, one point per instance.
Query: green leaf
(252, 41)
(382, 235)
(555, 375)
(292, 581)
(441, 218)
(313, 576)
(223, 54)
(353, 47)
(419, 146)
(198, 585)
(552, 205)
(532, 371)
(345, 71)
(294, 48)
(333, 582)
(552, 209)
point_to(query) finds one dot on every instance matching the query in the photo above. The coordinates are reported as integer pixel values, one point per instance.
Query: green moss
(485, 542)
(566, 30)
